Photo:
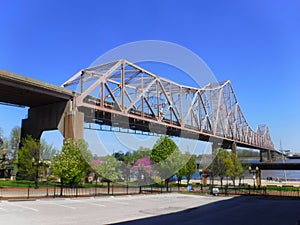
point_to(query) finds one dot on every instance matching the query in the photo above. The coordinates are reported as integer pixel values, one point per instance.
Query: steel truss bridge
(122, 94)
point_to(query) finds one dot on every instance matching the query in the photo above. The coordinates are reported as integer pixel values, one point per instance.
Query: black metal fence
(72, 192)
(118, 189)
(269, 190)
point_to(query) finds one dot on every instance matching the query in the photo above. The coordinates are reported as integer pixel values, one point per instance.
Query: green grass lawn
(24, 183)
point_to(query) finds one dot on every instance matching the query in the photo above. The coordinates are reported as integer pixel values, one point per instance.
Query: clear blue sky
(255, 44)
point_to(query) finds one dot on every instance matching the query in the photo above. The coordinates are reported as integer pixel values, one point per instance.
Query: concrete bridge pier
(269, 156)
(215, 145)
(52, 117)
(234, 148)
(261, 156)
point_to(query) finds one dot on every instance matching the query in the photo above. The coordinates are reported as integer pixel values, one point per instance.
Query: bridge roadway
(276, 166)
(52, 107)
(24, 91)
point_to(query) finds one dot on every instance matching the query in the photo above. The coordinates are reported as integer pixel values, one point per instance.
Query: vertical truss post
(157, 100)
(81, 83)
(102, 95)
(143, 96)
(122, 86)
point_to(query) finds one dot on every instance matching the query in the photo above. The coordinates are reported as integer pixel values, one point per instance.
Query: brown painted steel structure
(123, 94)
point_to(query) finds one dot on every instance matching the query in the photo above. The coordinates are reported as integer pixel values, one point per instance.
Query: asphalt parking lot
(152, 209)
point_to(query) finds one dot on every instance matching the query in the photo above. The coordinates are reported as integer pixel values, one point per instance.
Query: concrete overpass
(50, 106)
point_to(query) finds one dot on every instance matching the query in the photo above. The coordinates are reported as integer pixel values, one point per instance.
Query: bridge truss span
(148, 102)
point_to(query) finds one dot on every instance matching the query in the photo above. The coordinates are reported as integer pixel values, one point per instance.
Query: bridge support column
(269, 156)
(215, 145)
(73, 128)
(41, 118)
(261, 156)
(233, 148)
(52, 117)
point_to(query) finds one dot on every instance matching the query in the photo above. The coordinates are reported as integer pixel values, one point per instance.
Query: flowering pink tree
(143, 169)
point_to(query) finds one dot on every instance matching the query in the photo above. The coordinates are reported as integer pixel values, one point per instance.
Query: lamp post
(254, 173)
(36, 165)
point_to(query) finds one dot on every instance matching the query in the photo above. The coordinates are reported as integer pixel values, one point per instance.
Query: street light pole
(254, 173)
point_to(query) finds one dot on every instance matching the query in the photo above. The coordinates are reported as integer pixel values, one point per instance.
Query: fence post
(249, 189)
(28, 191)
(54, 191)
(47, 193)
(127, 188)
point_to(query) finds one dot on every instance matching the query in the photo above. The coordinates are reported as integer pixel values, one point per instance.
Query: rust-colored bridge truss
(123, 94)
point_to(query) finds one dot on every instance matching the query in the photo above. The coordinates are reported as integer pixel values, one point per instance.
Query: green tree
(70, 164)
(180, 174)
(235, 169)
(47, 151)
(29, 152)
(131, 157)
(188, 169)
(166, 157)
(108, 168)
(1, 138)
(221, 164)
(14, 141)
(191, 166)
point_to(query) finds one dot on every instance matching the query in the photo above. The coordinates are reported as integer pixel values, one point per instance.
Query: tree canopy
(166, 157)
(108, 168)
(29, 151)
(225, 164)
(70, 164)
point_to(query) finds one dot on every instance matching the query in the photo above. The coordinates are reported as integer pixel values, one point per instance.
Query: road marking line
(25, 207)
(90, 203)
(65, 206)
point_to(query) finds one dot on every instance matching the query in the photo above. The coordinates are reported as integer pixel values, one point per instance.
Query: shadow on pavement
(235, 211)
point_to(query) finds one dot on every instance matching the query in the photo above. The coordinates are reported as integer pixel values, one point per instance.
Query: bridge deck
(21, 90)
(276, 166)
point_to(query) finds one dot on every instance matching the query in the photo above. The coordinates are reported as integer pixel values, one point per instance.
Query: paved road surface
(152, 209)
